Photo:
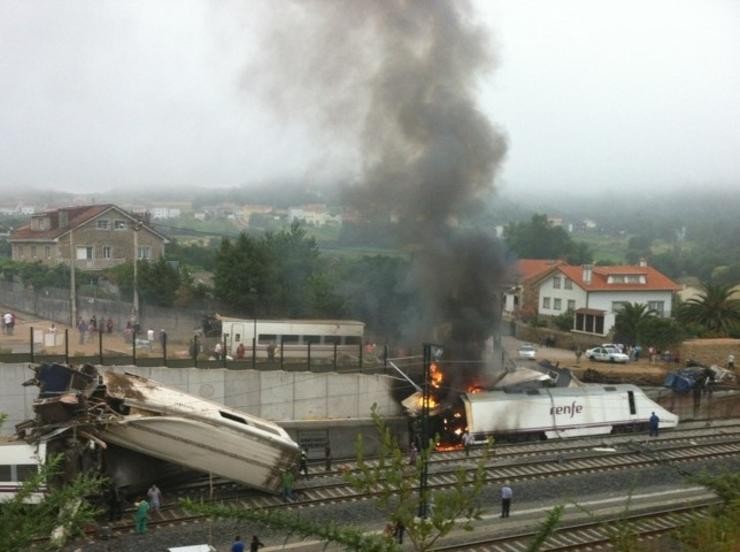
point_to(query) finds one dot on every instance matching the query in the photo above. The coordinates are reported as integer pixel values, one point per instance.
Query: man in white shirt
(506, 495)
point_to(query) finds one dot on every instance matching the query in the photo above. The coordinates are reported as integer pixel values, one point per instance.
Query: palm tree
(630, 320)
(714, 309)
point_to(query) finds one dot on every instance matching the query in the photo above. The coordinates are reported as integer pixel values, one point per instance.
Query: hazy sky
(593, 95)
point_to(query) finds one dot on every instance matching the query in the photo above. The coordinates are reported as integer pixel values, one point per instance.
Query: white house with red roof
(518, 294)
(596, 293)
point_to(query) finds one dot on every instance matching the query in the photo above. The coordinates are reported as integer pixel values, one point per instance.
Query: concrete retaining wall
(274, 395)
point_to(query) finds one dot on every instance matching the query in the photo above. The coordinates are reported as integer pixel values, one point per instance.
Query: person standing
(237, 545)
(653, 424)
(412, 454)
(82, 327)
(730, 361)
(109, 326)
(240, 351)
(155, 498)
(303, 462)
(218, 350)
(327, 457)
(287, 480)
(255, 544)
(141, 516)
(506, 494)
(467, 443)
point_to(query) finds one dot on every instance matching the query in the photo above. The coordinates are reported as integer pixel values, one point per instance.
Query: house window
(556, 282)
(571, 304)
(144, 252)
(33, 251)
(107, 252)
(120, 225)
(557, 304)
(657, 306)
(84, 253)
(545, 302)
(103, 224)
(568, 284)
(47, 251)
(617, 306)
(589, 323)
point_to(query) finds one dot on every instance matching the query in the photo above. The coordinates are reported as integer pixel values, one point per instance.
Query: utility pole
(72, 285)
(136, 227)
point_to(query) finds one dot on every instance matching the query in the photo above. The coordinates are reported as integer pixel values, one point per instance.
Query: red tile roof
(532, 268)
(655, 281)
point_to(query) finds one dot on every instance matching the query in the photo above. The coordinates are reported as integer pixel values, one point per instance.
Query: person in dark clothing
(653, 425)
(238, 545)
(398, 531)
(327, 457)
(506, 495)
(255, 544)
(115, 509)
(303, 462)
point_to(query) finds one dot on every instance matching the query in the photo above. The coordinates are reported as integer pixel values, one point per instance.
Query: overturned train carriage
(561, 411)
(139, 414)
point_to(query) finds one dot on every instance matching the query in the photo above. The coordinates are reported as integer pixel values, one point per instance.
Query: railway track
(590, 535)
(322, 490)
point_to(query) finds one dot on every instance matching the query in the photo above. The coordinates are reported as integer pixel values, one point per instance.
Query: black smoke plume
(395, 82)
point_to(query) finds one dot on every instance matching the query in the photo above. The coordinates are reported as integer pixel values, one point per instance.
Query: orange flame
(435, 375)
(432, 402)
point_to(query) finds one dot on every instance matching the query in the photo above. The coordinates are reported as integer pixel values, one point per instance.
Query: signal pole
(431, 352)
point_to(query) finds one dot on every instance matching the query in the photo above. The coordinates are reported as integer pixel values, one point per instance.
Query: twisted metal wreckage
(108, 420)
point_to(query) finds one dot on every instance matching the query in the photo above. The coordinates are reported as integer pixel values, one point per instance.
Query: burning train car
(115, 411)
(537, 404)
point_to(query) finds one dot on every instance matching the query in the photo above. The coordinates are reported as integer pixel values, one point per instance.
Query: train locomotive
(551, 412)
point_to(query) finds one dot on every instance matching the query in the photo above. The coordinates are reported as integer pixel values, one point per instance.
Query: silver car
(527, 351)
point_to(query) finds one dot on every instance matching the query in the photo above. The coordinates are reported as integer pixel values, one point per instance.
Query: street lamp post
(136, 227)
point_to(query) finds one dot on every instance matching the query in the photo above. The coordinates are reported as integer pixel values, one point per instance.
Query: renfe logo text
(571, 409)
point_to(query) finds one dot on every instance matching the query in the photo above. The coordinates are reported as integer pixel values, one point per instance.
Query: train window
(27, 471)
(610, 388)
(332, 339)
(533, 391)
(237, 338)
(312, 339)
(232, 417)
(266, 339)
(5, 473)
(631, 398)
(288, 339)
(352, 340)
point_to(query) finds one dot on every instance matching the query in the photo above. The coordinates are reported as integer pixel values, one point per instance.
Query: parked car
(606, 354)
(527, 351)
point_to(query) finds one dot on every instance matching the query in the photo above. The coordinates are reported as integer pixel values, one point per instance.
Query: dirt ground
(113, 343)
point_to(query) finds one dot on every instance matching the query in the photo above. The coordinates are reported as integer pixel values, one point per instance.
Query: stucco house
(596, 293)
(95, 236)
(521, 293)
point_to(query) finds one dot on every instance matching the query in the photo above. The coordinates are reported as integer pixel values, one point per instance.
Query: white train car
(178, 427)
(561, 411)
(20, 461)
(293, 335)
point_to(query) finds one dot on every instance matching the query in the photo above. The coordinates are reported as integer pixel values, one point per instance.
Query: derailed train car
(121, 413)
(551, 412)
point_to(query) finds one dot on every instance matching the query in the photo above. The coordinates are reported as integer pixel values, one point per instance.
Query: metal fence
(143, 351)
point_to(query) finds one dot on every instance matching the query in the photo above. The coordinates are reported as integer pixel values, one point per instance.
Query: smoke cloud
(393, 83)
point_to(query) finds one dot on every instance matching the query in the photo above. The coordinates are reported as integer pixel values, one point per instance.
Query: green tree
(242, 273)
(631, 321)
(663, 333)
(715, 310)
(538, 239)
(158, 282)
(564, 322)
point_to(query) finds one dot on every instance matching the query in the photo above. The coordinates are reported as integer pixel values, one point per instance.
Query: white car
(606, 354)
(527, 351)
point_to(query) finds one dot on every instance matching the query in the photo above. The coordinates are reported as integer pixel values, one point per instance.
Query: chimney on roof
(587, 272)
(643, 261)
(63, 218)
